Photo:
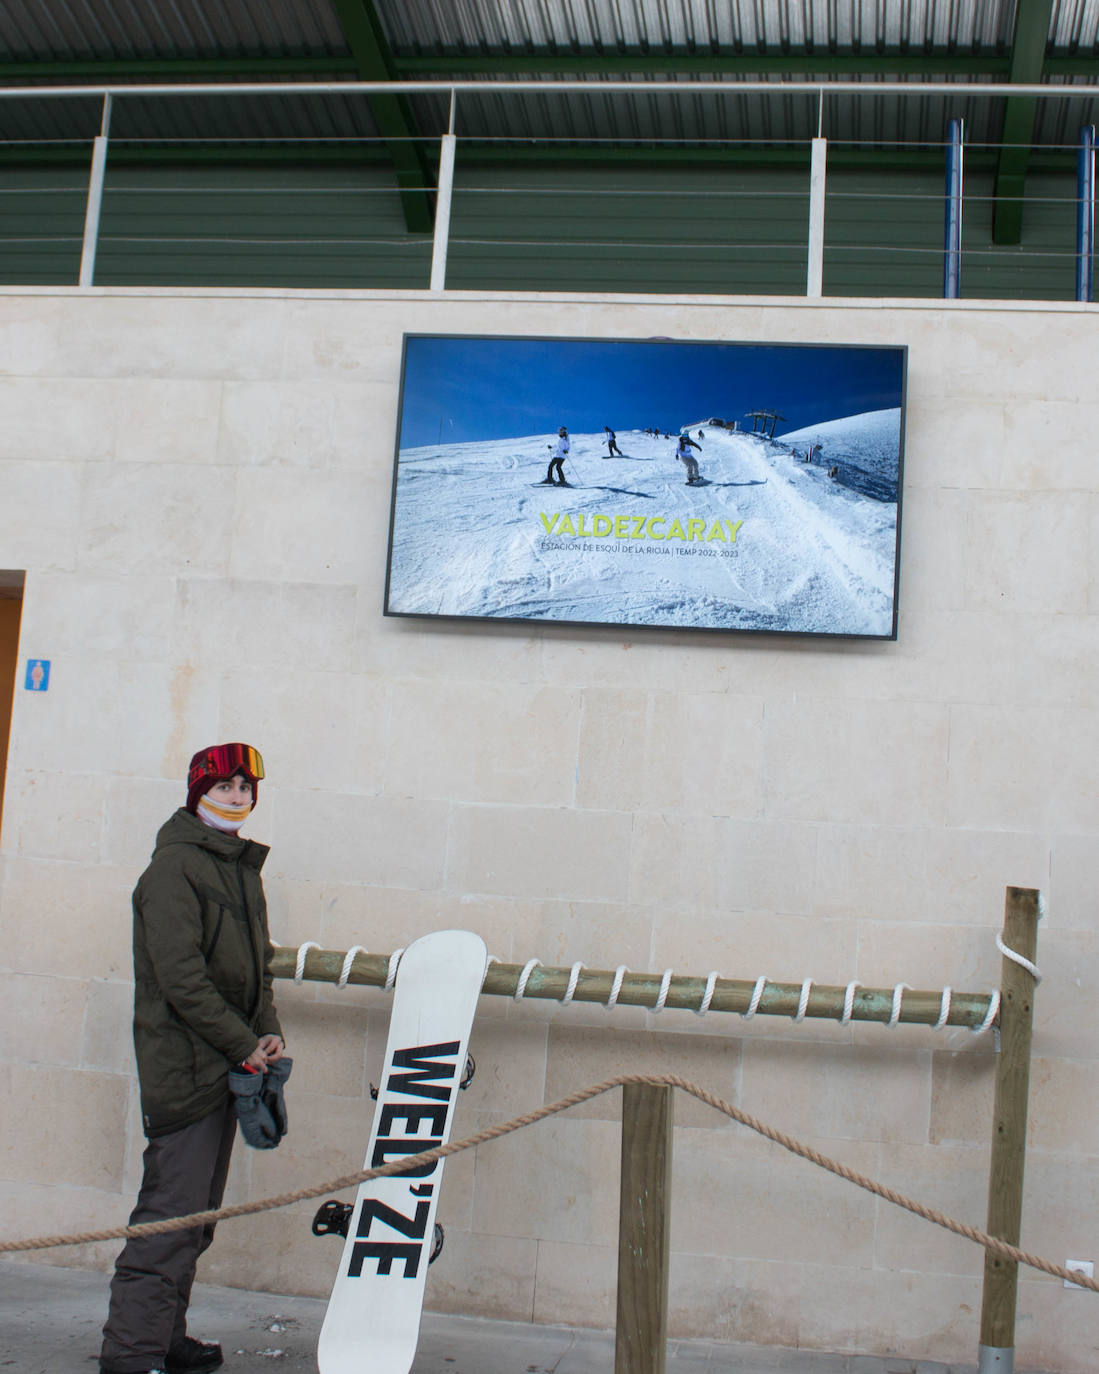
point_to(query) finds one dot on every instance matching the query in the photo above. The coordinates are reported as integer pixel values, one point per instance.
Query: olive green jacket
(202, 989)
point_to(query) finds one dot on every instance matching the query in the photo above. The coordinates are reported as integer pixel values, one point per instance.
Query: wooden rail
(644, 1209)
(826, 1001)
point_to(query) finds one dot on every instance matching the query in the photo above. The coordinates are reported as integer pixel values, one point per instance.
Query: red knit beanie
(219, 762)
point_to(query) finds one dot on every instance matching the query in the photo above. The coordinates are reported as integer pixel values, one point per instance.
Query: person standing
(683, 453)
(202, 1006)
(557, 462)
(612, 442)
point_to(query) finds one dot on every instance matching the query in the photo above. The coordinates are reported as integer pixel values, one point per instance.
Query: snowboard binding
(334, 1217)
(466, 1079)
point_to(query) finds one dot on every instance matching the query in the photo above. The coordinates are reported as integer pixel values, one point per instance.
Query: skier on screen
(612, 443)
(560, 453)
(683, 453)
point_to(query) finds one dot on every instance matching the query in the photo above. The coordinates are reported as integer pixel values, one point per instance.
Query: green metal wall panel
(883, 233)
(677, 231)
(1043, 265)
(41, 225)
(586, 229)
(304, 226)
(884, 237)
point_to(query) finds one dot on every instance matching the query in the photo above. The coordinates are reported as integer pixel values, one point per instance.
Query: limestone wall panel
(197, 486)
(46, 539)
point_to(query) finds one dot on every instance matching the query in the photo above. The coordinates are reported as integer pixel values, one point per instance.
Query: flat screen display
(649, 483)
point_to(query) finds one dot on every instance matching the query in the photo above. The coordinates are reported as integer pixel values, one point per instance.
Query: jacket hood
(184, 828)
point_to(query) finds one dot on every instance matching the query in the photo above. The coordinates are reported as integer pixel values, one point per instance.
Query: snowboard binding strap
(334, 1217)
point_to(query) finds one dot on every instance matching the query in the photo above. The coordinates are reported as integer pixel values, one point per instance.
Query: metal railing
(953, 201)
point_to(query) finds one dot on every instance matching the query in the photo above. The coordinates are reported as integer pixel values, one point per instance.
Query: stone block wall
(197, 487)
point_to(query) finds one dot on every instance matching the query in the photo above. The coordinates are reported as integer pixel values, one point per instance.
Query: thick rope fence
(991, 1244)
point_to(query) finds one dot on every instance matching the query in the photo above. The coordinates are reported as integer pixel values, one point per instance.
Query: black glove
(257, 1125)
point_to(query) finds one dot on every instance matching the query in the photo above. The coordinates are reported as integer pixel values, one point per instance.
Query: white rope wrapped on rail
(1019, 959)
(757, 993)
(303, 950)
(708, 996)
(391, 969)
(990, 1015)
(662, 996)
(845, 1013)
(898, 999)
(349, 959)
(574, 978)
(524, 978)
(616, 987)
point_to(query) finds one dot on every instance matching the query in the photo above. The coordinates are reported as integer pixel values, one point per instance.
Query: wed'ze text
(413, 1107)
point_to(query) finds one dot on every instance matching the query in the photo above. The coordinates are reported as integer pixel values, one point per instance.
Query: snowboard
(373, 1317)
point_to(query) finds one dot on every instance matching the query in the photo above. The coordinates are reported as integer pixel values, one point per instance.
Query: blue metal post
(1085, 212)
(952, 256)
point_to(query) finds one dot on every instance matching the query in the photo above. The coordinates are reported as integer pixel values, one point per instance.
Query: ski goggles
(223, 760)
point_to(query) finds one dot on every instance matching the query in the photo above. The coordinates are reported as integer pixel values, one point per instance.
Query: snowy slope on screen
(864, 447)
(775, 543)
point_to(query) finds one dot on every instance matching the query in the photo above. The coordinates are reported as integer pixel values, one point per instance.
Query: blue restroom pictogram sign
(38, 674)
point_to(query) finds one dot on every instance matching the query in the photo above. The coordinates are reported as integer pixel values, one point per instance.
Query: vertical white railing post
(442, 205)
(95, 198)
(814, 276)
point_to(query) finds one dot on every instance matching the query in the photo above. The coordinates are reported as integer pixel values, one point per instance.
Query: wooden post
(1009, 1131)
(641, 1337)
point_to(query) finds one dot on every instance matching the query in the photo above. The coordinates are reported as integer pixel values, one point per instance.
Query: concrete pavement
(50, 1319)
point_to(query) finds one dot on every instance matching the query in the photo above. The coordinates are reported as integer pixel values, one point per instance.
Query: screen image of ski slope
(722, 486)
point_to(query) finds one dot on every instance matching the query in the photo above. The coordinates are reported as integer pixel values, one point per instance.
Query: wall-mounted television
(649, 483)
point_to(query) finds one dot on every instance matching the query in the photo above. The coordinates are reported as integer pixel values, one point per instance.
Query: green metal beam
(1028, 54)
(189, 69)
(829, 63)
(1071, 64)
(393, 113)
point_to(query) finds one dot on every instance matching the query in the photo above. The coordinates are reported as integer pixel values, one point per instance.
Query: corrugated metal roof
(497, 36)
(687, 25)
(112, 30)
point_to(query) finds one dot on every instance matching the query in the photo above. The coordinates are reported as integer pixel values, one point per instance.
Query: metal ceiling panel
(701, 116)
(69, 30)
(610, 26)
(1057, 123)
(152, 30)
(113, 30)
(1075, 25)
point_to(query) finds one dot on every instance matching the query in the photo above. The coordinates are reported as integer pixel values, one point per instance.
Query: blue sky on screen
(458, 389)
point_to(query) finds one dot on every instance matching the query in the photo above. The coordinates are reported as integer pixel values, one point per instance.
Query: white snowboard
(372, 1325)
